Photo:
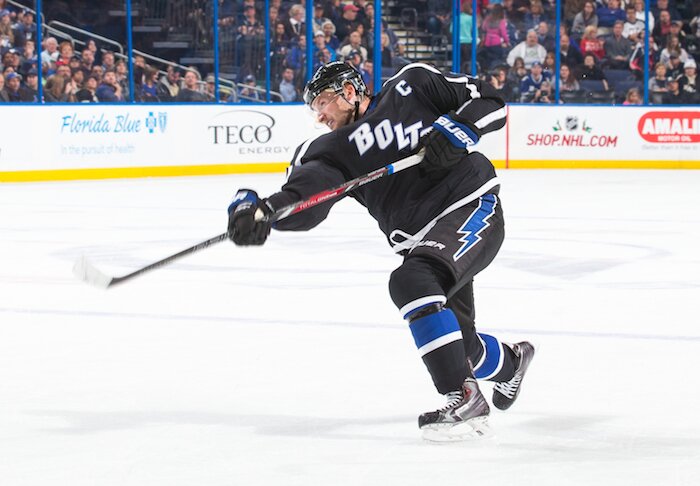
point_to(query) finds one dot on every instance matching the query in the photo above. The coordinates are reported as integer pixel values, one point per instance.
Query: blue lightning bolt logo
(475, 224)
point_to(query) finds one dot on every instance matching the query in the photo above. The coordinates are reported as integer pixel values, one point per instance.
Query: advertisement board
(77, 141)
(603, 137)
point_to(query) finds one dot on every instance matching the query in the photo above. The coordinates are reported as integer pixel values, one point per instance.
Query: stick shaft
(282, 213)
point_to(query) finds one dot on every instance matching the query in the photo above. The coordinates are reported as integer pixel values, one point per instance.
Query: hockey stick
(87, 272)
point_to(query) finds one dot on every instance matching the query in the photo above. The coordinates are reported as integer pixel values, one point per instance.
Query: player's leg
(418, 290)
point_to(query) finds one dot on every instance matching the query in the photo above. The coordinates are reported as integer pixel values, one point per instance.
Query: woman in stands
(585, 18)
(567, 80)
(673, 46)
(633, 97)
(495, 46)
(591, 44)
(65, 53)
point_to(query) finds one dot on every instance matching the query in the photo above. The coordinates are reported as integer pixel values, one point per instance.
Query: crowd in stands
(602, 57)
(602, 45)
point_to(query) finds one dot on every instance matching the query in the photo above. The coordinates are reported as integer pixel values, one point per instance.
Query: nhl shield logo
(571, 123)
(162, 121)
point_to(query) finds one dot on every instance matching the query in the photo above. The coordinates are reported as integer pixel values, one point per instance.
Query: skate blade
(473, 429)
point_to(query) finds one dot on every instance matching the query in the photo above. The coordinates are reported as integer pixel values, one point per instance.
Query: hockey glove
(248, 218)
(448, 141)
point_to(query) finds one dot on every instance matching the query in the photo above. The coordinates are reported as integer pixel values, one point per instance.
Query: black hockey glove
(448, 141)
(248, 218)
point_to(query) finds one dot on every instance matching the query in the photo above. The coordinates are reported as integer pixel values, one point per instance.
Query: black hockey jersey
(407, 204)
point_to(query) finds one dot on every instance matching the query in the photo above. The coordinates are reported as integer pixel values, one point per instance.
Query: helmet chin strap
(357, 111)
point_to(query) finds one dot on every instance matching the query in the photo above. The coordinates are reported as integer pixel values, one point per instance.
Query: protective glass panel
(173, 52)
(18, 54)
(83, 56)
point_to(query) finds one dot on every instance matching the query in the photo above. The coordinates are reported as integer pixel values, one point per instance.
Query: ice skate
(506, 392)
(464, 417)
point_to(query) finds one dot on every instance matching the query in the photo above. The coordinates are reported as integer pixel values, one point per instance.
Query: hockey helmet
(333, 76)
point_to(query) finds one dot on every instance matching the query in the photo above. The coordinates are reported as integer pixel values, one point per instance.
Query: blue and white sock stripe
(435, 331)
(491, 361)
(413, 306)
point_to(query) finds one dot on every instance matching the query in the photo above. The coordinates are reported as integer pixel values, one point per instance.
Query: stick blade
(87, 272)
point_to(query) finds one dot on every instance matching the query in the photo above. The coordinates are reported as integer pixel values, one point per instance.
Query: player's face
(333, 110)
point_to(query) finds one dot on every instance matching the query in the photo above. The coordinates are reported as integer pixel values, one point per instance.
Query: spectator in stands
(296, 60)
(64, 71)
(287, 87)
(332, 40)
(65, 52)
(496, 42)
(694, 25)
(517, 72)
(570, 53)
(55, 89)
(87, 60)
(639, 10)
(28, 59)
(12, 84)
(108, 60)
(688, 83)
(545, 36)
(663, 27)
(549, 64)
(109, 90)
(169, 85)
(658, 85)
(664, 5)
(673, 46)
(585, 18)
(49, 55)
(529, 50)
(319, 47)
(567, 80)
(638, 56)
(87, 93)
(530, 85)
(247, 90)
(91, 46)
(122, 72)
(534, 16)
(7, 35)
(633, 97)
(617, 49)
(673, 96)
(3, 93)
(347, 23)
(149, 87)
(632, 26)
(354, 44)
(30, 91)
(295, 25)
(98, 72)
(591, 44)
(674, 67)
(24, 29)
(608, 14)
(438, 16)
(319, 16)
(75, 83)
(509, 91)
(190, 90)
(591, 71)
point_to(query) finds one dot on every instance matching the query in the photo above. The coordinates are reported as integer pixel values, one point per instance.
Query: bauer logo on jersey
(384, 134)
(475, 224)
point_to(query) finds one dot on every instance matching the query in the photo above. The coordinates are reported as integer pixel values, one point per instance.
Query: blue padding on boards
(433, 326)
(493, 356)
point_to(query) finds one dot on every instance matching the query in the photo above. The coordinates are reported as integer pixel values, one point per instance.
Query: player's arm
(469, 109)
(249, 214)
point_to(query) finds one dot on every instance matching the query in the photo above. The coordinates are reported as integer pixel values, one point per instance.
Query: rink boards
(77, 141)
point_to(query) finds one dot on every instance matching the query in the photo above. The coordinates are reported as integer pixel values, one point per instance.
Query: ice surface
(289, 365)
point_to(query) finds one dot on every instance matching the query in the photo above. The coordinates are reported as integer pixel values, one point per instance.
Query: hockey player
(444, 216)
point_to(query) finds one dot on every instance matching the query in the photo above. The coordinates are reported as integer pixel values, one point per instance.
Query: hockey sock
(438, 338)
(498, 361)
